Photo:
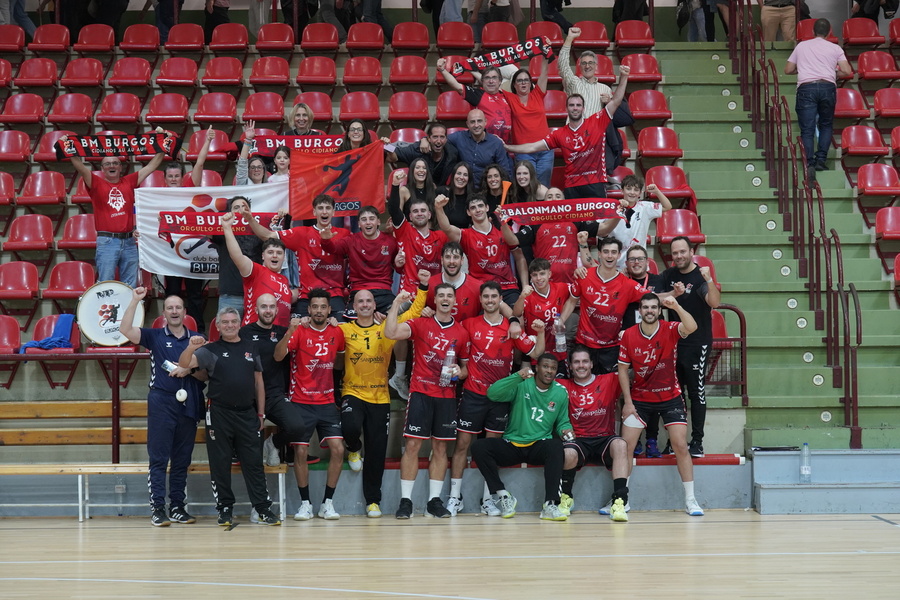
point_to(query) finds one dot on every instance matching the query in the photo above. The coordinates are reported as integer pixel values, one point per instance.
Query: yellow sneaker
(373, 511)
(355, 461)
(617, 512)
(566, 502)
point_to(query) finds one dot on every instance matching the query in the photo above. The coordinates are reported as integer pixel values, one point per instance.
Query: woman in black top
(459, 190)
(495, 185)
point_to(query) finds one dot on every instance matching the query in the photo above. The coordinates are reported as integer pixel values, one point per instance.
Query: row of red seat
(858, 34)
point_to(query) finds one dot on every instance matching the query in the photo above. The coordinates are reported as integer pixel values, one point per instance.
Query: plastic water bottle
(559, 332)
(805, 467)
(447, 368)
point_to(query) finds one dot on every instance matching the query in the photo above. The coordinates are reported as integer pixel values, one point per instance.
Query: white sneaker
(355, 461)
(327, 512)
(551, 512)
(489, 508)
(270, 453)
(507, 508)
(607, 510)
(692, 508)
(305, 512)
(399, 384)
(373, 511)
(254, 516)
(454, 505)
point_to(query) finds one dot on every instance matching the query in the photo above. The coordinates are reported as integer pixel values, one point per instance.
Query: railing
(726, 369)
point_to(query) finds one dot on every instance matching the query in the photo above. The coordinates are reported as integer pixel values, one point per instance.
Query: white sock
(487, 492)
(406, 488)
(688, 489)
(456, 488)
(400, 370)
(435, 487)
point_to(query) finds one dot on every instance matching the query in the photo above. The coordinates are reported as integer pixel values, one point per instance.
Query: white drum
(100, 310)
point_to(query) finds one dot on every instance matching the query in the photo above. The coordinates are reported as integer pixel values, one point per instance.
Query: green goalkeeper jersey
(534, 414)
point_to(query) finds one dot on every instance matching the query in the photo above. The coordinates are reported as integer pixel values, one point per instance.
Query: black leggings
(493, 453)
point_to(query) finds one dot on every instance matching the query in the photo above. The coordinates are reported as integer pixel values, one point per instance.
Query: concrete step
(830, 498)
(828, 466)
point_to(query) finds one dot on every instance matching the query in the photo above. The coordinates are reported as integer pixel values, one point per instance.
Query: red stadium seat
(186, 40)
(455, 37)
(657, 145)
(702, 261)
(85, 76)
(365, 39)
(132, 76)
(860, 144)
(674, 223)
(360, 105)
(32, 234)
(276, 39)
(618, 174)
(877, 186)
(230, 39)
(317, 74)
(7, 201)
(156, 179)
(363, 73)
(673, 183)
(546, 29)
(626, 151)
(498, 34)
(887, 109)
(465, 78)
(805, 31)
(15, 154)
(141, 40)
(887, 236)
(97, 41)
(217, 109)
(189, 322)
(266, 108)
(24, 112)
(648, 107)
(893, 38)
(605, 72)
(407, 109)
(68, 281)
(895, 145)
(19, 281)
(410, 38)
(593, 37)
(179, 75)
(51, 41)
(633, 36)
(849, 109)
(10, 340)
(5, 78)
(79, 238)
(74, 112)
(452, 109)
(554, 79)
(44, 329)
(45, 190)
(209, 178)
(408, 74)
(271, 74)
(12, 44)
(217, 155)
(320, 39)
(213, 329)
(81, 198)
(860, 34)
(876, 70)
(407, 134)
(555, 107)
(38, 75)
(169, 111)
(224, 74)
(644, 72)
(321, 106)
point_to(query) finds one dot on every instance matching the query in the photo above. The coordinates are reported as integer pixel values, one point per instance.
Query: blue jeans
(114, 252)
(697, 26)
(371, 10)
(543, 164)
(21, 18)
(816, 100)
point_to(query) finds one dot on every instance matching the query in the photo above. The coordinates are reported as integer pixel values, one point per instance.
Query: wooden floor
(723, 555)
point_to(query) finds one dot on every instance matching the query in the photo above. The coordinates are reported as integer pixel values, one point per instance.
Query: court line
(885, 520)
(241, 585)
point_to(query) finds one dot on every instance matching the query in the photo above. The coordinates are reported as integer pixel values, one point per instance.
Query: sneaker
(653, 449)
(355, 461)
(267, 517)
(638, 449)
(179, 515)
(507, 506)
(692, 508)
(607, 510)
(696, 449)
(405, 510)
(270, 453)
(617, 511)
(821, 165)
(226, 518)
(159, 518)
(305, 512)
(489, 508)
(373, 511)
(327, 512)
(551, 512)
(566, 502)
(399, 384)
(454, 506)
(254, 516)
(436, 509)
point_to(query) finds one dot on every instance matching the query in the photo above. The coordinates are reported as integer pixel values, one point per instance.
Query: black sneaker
(226, 517)
(159, 518)
(436, 509)
(821, 165)
(405, 510)
(696, 449)
(267, 517)
(180, 515)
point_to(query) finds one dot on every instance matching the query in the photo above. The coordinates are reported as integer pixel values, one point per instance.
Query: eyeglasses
(356, 130)
(256, 168)
(523, 81)
(587, 63)
(635, 259)
(486, 77)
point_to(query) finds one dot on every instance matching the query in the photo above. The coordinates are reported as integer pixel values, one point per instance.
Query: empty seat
(45, 190)
(141, 40)
(648, 107)
(360, 105)
(266, 108)
(499, 34)
(593, 37)
(887, 109)
(877, 186)
(74, 112)
(860, 34)
(410, 135)
(19, 281)
(217, 152)
(876, 70)
(320, 39)
(66, 369)
(230, 39)
(15, 154)
(97, 41)
(156, 179)
(10, 340)
(365, 39)
(5, 78)
(85, 76)
(363, 73)
(893, 37)
(169, 111)
(132, 76)
(31, 234)
(12, 43)
(644, 72)
(546, 29)
(860, 144)
(410, 38)
(179, 75)
(849, 109)
(452, 109)
(317, 74)
(224, 74)
(7, 201)
(321, 106)
(555, 107)
(120, 111)
(408, 109)
(79, 237)
(535, 66)
(656, 146)
(51, 41)
(887, 236)
(24, 112)
(805, 31)
(68, 281)
(673, 183)
(186, 39)
(455, 38)
(674, 223)
(38, 75)
(276, 39)
(271, 74)
(408, 74)
(217, 109)
(633, 36)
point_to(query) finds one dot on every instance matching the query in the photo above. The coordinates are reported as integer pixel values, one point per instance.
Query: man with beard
(440, 157)
(467, 287)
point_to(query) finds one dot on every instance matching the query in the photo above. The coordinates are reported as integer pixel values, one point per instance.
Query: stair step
(826, 498)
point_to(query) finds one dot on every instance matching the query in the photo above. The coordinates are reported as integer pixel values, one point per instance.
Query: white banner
(193, 255)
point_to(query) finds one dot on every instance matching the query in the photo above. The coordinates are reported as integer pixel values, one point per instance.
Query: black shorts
(510, 296)
(301, 307)
(595, 449)
(383, 300)
(323, 418)
(606, 360)
(672, 411)
(476, 413)
(428, 417)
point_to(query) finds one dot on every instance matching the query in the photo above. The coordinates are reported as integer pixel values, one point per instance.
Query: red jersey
(541, 307)
(468, 296)
(558, 243)
(489, 256)
(592, 406)
(371, 261)
(653, 360)
(113, 203)
(583, 149)
(318, 269)
(431, 341)
(491, 352)
(603, 305)
(312, 363)
(422, 252)
(263, 280)
(498, 117)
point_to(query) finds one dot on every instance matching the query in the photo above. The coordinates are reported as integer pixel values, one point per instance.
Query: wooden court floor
(657, 555)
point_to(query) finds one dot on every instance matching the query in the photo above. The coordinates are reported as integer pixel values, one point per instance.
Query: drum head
(100, 310)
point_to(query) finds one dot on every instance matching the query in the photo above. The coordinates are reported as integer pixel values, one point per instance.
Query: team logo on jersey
(168, 344)
(476, 356)
(551, 406)
(428, 356)
(224, 355)
(312, 364)
(248, 356)
(314, 263)
(255, 337)
(354, 358)
(385, 251)
(116, 199)
(273, 337)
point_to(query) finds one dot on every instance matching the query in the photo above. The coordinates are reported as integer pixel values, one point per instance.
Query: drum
(100, 310)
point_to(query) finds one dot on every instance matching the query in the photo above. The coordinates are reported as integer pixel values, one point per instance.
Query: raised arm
(529, 148)
(713, 295)
(197, 171)
(565, 69)
(624, 71)
(658, 193)
(393, 329)
(79, 166)
(127, 327)
(688, 325)
(448, 76)
(243, 263)
(261, 231)
(397, 199)
(188, 360)
(545, 74)
(151, 166)
(281, 348)
(453, 233)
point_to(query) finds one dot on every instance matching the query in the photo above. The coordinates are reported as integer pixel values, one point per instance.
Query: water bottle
(805, 467)
(447, 368)
(559, 332)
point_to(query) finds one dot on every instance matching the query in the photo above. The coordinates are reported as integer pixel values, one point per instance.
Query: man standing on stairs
(815, 62)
